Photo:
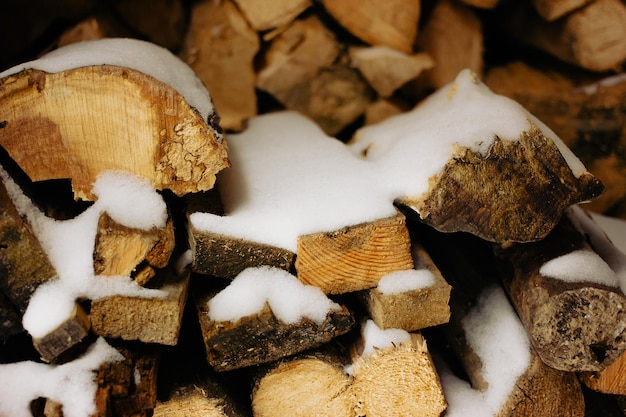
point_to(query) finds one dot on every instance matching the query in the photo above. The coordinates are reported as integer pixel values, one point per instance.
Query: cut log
(262, 338)
(482, 4)
(355, 257)
(398, 381)
(220, 47)
(134, 123)
(593, 38)
(468, 265)
(573, 325)
(150, 320)
(263, 15)
(309, 385)
(386, 69)
(381, 109)
(379, 23)
(551, 10)
(411, 310)
(610, 380)
(453, 37)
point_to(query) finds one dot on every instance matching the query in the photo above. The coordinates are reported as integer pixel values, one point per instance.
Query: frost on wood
(80, 117)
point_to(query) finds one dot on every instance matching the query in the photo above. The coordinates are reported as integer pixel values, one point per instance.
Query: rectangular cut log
(57, 344)
(356, 257)
(220, 47)
(415, 309)
(262, 338)
(573, 325)
(150, 320)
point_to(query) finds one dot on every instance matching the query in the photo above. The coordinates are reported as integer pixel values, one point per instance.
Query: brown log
(355, 257)
(453, 37)
(120, 250)
(379, 23)
(96, 100)
(268, 15)
(573, 326)
(223, 59)
(551, 10)
(411, 310)
(381, 109)
(593, 38)
(482, 4)
(262, 338)
(58, 344)
(610, 380)
(150, 320)
(468, 265)
(386, 69)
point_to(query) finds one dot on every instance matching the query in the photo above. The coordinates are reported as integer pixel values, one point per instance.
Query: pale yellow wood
(610, 380)
(264, 15)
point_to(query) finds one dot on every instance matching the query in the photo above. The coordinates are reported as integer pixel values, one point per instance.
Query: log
(551, 10)
(453, 37)
(262, 337)
(468, 264)
(379, 23)
(120, 250)
(593, 38)
(162, 139)
(386, 69)
(411, 310)
(355, 257)
(150, 320)
(381, 109)
(263, 15)
(220, 47)
(573, 326)
(61, 343)
(610, 380)
(482, 4)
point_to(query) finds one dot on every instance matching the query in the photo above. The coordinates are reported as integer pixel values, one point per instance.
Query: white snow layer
(403, 281)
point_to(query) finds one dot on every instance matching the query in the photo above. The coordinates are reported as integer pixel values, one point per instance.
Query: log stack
(330, 78)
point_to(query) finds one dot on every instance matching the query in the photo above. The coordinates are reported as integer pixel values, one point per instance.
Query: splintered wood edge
(356, 257)
(467, 195)
(610, 380)
(81, 122)
(411, 310)
(149, 320)
(400, 378)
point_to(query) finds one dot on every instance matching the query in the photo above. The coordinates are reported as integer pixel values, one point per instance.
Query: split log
(482, 4)
(386, 69)
(593, 38)
(381, 109)
(355, 257)
(551, 10)
(262, 337)
(453, 37)
(379, 23)
(467, 263)
(162, 139)
(610, 380)
(263, 16)
(150, 320)
(220, 47)
(58, 345)
(573, 326)
(411, 310)
(310, 385)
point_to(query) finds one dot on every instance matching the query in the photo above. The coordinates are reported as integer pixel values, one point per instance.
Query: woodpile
(313, 208)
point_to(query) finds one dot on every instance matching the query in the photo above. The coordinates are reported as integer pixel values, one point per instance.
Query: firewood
(311, 384)
(10, 316)
(120, 250)
(551, 10)
(379, 23)
(355, 257)
(573, 326)
(610, 380)
(387, 69)
(453, 37)
(411, 310)
(55, 345)
(482, 4)
(220, 48)
(468, 265)
(195, 400)
(262, 337)
(163, 138)
(150, 320)
(593, 38)
(264, 16)
(381, 109)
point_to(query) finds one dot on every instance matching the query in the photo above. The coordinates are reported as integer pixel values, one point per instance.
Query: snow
(496, 335)
(580, 266)
(289, 299)
(72, 384)
(69, 245)
(403, 281)
(142, 56)
(289, 179)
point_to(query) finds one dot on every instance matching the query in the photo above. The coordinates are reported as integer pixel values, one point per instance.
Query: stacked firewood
(485, 222)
